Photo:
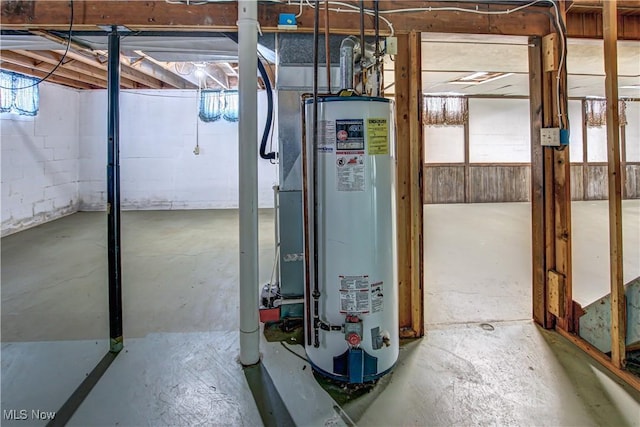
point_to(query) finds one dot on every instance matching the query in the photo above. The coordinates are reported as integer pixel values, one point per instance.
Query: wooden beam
(29, 63)
(158, 71)
(41, 74)
(409, 164)
(603, 359)
(222, 16)
(618, 301)
(128, 74)
(589, 25)
(52, 57)
(97, 58)
(538, 247)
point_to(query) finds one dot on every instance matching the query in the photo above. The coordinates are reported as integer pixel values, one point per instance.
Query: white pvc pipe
(248, 167)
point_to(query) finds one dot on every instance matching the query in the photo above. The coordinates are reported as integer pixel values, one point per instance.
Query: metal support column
(113, 194)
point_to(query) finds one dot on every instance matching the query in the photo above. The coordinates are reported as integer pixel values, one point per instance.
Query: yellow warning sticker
(377, 136)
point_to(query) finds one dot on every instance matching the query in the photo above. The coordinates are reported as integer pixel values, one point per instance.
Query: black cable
(69, 32)
(293, 352)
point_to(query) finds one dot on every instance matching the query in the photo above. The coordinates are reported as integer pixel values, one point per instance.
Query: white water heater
(351, 292)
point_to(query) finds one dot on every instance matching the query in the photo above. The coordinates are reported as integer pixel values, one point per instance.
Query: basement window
(445, 110)
(596, 112)
(19, 94)
(216, 104)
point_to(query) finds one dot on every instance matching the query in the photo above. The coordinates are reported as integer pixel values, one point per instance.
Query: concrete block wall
(158, 167)
(40, 161)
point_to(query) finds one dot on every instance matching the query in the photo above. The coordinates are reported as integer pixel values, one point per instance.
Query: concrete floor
(180, 321)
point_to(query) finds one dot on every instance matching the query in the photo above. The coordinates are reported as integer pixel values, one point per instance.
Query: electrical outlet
(392, 45)
(550, 137)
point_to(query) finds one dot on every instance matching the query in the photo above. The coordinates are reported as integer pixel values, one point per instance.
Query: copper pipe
(327, 51)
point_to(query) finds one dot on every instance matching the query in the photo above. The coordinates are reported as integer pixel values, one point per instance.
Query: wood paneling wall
(632, 182)
(444, 183)
(597, 182)
(577, 183)
(499, 183)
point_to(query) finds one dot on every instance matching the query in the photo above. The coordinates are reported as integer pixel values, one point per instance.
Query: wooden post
(539, 279)
(618, 303)
(467, 196)
(409, 164)
(585, 159)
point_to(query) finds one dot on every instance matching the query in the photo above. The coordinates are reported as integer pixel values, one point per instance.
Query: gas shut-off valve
(353, 330)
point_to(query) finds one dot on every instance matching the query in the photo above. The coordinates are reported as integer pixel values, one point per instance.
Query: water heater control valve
(353, 330)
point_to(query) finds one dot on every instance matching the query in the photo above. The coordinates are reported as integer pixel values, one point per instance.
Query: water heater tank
(352, 311)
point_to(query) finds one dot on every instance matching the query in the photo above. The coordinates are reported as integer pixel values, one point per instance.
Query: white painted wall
(633, 132)
(575, 131)
(159, 169)
(40, 161)
(597, 137)
(499, 131)
(443, 144)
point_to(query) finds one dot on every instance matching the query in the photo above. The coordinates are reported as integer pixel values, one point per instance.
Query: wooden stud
(467, 184)
(409, 163)
(403, 190)
(618, 300)
(538, 247)
(585, 158)
(415, 181)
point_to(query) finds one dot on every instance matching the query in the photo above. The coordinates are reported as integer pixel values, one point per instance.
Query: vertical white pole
(248, 167)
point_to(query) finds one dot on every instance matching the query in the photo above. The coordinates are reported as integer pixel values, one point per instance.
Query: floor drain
(487, 326)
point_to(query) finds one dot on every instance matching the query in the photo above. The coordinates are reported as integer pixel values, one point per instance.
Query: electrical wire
(558, 23)
(293, 352)
(69, 34)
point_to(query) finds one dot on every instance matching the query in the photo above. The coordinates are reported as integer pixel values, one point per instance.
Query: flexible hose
(269, 89)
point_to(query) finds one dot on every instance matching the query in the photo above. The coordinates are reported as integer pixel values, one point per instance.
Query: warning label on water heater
(350, 134)
(326, 136)
(377, 297)
(354, 302)
(377, 136)
(350, 171)
(354, 294)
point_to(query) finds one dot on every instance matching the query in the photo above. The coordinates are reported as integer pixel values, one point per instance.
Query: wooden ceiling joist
(41, 74)
(30, 63)
(157, 70)
(52, 57)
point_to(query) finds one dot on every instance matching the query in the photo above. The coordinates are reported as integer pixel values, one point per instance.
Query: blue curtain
(18, 94)
(231, 113)
(211, 105)
(215, 104)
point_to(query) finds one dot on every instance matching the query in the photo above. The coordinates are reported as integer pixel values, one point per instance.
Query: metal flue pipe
(248, 167)
(347, 52)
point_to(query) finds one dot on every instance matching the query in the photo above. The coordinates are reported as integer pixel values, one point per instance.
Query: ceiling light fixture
(479, 77)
